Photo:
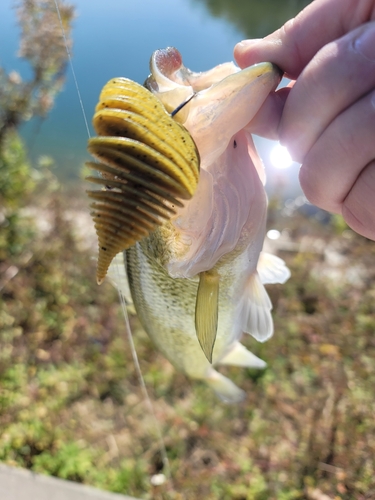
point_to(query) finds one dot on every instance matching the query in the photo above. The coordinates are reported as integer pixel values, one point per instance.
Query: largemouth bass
(197, 281)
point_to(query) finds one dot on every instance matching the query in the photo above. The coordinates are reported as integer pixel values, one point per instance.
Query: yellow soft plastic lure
(148, 162)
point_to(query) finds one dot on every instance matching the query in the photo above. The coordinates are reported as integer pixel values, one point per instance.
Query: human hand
(326, 116)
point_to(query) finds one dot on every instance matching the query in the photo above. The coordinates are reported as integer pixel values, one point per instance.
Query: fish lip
(263, 68)
(245, 78)
(264, 76)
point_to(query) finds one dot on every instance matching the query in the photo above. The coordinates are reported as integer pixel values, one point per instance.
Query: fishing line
(162, 448)
(163, 451)
(72, 69)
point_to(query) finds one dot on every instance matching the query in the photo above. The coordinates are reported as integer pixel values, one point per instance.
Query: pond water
(116, 38)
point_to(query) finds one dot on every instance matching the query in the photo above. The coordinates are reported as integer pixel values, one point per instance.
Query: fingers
(327, 117)
(295, 44)
(338, 173)
(340, 74)
(266, 122)
(359, 207)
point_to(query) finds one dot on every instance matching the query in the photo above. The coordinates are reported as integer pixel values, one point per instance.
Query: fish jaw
(225, 216)
(219, 112)
(168, 71)
(229, 206)
(225, 97)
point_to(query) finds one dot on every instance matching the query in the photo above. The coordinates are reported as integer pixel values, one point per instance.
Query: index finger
(293, 45)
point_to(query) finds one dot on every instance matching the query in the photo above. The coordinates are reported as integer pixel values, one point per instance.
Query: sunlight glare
(280, 157)
(273, 234)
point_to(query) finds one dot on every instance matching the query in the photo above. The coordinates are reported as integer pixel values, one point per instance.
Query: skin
(326, 116)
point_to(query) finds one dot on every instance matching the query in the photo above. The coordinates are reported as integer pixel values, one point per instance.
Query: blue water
(115, 38)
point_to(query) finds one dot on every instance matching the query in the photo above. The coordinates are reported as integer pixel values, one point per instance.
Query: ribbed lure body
(148, 162)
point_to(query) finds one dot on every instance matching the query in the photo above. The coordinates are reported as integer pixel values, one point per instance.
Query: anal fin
(240, 356)
(224, 388)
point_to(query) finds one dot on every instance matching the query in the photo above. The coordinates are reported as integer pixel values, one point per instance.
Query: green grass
(71, 403)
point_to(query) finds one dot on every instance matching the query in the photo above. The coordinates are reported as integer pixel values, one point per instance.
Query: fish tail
(224, 388)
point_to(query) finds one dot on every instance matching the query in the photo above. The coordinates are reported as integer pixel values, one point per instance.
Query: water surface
(116, 38)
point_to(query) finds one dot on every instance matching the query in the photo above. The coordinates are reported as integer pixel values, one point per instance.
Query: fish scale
(166, 309)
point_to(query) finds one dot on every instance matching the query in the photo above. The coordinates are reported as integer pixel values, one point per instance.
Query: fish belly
(166, 309)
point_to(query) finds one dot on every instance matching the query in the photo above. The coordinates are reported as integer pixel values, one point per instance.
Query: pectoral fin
(206, 311)
(255, 315)
(118, 277)
(272, 269)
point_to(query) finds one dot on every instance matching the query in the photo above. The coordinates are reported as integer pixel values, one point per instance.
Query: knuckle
(309, 185)
(359, 206)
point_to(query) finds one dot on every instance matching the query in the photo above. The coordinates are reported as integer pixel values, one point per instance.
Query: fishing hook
(180, 106)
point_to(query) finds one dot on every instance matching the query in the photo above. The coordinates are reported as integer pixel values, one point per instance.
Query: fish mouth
(216, 114)
(262, 69)
(234, 83)
(251, 80)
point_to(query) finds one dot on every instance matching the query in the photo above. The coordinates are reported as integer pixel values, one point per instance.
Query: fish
(197, 279)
